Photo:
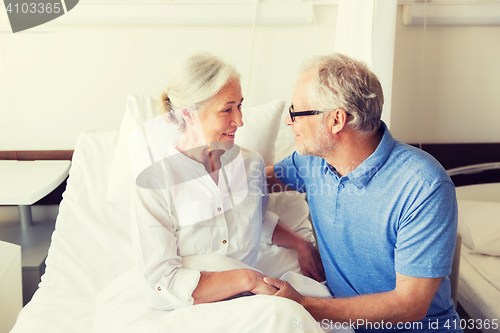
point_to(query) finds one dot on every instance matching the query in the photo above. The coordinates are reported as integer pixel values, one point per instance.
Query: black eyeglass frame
(294, 114)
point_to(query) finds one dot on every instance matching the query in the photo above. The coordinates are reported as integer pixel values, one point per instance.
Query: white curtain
(366, 30)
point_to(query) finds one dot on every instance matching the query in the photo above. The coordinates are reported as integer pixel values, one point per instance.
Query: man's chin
(307, 152)
(303, 151)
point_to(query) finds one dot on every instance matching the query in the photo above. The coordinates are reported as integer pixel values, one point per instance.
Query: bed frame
(451, 155)
(456, 155)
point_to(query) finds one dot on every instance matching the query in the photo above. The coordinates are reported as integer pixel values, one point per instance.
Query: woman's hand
(254, 282)
(217, 286)
(310, 261)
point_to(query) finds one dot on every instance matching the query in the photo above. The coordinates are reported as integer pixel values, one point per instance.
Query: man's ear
(337, 120)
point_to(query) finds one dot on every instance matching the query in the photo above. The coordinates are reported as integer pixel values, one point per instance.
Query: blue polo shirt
(396, 212)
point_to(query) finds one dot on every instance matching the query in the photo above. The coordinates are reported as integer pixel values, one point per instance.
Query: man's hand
(285, 290)
(254, 282)
(310, 261)
(408, 302)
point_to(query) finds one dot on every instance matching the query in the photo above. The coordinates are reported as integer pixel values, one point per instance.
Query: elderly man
(385, 213)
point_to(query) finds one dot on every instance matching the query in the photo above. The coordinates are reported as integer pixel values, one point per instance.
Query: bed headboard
(454, 155)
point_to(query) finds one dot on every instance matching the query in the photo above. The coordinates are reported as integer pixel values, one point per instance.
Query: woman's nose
(288, 120)
(238, 119)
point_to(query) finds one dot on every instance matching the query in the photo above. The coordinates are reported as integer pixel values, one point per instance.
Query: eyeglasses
(294, 114)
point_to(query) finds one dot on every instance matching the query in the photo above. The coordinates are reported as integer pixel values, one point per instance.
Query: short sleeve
(288, 171)
(427, 233)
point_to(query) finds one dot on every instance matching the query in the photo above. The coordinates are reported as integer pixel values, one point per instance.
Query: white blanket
(121, 307)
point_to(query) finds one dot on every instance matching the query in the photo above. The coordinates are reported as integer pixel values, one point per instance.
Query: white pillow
(290, 206)
(138, 109)
(285, 144)
(293, 211)
(260, 129)
(259, 133)
(479, 225)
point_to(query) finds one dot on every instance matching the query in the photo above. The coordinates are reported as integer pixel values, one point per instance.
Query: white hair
(194, 80)
(345, 83)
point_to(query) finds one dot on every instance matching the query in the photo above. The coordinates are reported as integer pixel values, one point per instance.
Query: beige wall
(456, 98)
(57, 81)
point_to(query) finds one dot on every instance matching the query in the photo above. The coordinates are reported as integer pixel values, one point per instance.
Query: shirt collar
(226, 158)
(369, 167)
(178, 158)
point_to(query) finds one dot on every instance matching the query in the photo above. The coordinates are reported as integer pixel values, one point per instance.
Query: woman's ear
(187, 114)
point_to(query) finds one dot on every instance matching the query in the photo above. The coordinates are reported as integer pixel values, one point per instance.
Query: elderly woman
(206, 196)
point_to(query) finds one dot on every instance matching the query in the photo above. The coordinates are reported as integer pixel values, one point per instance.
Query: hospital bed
(479, 225)
(90, 246)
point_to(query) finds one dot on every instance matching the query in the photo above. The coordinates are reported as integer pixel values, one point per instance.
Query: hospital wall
(57, 81)
(445, 85)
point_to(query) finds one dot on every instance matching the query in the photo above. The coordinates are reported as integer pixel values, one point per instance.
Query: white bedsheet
(91, 247)
(487, 266)
(479, 298)
(479, 278)
(89, 232)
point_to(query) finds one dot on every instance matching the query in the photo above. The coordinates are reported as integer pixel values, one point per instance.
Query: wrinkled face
(311, 132)
(222, 116)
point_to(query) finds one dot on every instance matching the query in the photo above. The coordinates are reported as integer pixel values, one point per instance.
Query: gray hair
(345, 83)
(194, 80)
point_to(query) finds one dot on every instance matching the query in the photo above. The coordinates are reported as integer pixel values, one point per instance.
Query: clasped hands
(310, 265)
